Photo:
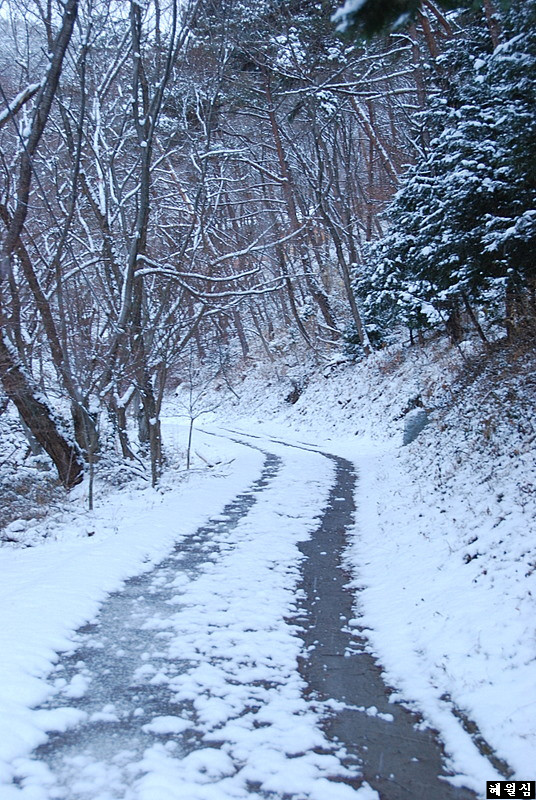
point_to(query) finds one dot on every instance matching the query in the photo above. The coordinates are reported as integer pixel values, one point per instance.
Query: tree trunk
(39, 418)
(316, 292)
(155, 432)
(361, 331)
(85, 429)
(119, 413)
(34, 411)
(453, 324)
(241, 333)
(474, 319)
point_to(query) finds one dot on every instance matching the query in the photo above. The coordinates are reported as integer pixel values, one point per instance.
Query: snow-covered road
(186, 685)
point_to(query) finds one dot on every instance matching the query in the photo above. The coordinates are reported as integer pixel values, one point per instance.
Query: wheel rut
(395, 758)
(118, 673)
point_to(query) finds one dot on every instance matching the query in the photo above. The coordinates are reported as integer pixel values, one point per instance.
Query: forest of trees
(226, 177)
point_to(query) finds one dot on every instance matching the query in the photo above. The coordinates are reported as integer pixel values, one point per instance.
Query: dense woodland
(221, 179)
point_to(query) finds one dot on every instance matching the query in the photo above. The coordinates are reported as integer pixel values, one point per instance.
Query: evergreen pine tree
(463, 225)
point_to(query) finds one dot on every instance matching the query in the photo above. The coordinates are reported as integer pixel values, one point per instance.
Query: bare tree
(34, 411)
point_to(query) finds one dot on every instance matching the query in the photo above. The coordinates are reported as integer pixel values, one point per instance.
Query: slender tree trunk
(261, 335)
(85, 429)
(474, 319)
(447, 27)
(153, 428)
(375, 141)
(361, 332)
(453, 324)
(119, 413)
(189, 448)
(241, 333)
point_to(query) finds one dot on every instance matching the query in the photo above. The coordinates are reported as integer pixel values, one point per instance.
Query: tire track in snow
(114, 678)
(397, 758)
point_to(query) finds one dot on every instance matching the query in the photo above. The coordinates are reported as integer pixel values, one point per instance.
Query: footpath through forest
(233, 667)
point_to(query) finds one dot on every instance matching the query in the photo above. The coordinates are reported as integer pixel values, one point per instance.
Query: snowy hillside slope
(444, 552)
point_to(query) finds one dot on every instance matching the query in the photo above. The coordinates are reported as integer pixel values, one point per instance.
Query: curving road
(123, 678)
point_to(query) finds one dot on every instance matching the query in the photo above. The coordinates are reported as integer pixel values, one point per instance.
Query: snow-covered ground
(444, 548)
(443, 556)
(48, 591)
(231, 622)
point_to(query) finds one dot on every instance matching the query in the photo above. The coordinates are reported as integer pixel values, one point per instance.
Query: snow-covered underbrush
(28, 486)
(28, 492)
(446, 558)
(33, 501)
(480, 410)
